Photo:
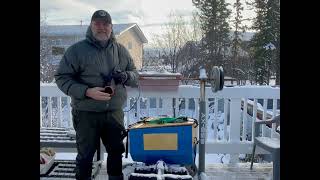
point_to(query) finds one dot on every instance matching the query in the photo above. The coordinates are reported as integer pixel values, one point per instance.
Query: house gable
(63, 36)
(132, 42)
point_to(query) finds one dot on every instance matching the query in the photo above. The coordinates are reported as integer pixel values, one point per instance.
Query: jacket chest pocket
(94, 65)
(122, 65)
(91, 68)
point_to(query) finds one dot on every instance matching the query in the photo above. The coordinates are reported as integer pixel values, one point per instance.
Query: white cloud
(66, 11)
(149, 14)
(122, 11)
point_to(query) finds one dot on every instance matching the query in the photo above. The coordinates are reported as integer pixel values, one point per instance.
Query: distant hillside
(152, 51)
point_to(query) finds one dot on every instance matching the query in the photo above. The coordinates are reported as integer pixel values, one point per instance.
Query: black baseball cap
(102, 15)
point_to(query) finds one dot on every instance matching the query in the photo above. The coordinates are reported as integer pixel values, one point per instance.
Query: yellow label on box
(161, 141)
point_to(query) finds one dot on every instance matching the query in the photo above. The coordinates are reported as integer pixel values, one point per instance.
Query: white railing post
(244, 120)
(165, 106)
(264, 126)
(138, 109)
(59, 122)
(207, 112)
(235, 119)
(148, 106)
(40, 111)
(274, 110)
(225, 121)
(50, 111)
(128, 112)
(215, 119)
(160, 110)
(177, 106)
(196, 108)
(172, 107)
(70, 123)
(186, 106)
(254, 119)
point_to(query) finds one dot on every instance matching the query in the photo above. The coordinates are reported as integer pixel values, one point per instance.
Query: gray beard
(101, 39)
(103, 43)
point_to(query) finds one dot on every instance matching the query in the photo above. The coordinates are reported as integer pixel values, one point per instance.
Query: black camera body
(111, 80)
(108, 85)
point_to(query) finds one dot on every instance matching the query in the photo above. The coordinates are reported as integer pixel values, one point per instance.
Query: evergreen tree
(213, 19)
(265, 45)
(239, 29)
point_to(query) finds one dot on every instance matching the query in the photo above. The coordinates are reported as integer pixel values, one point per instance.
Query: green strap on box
(166, 120)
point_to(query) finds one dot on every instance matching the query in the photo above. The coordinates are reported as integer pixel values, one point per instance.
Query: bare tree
(196, 31)
(175, 35)
(188, 56)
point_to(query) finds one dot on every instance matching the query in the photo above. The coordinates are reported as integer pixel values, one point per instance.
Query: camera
(108, 83)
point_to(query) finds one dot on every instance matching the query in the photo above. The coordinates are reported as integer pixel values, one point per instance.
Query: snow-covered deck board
(239, 171)
(214, 171)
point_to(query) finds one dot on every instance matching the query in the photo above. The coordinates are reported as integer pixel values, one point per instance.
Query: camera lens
(109, 90)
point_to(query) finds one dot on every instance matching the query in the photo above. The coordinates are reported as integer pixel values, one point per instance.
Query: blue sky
(148, 14)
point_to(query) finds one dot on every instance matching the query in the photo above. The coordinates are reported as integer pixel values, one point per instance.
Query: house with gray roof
(63, 36)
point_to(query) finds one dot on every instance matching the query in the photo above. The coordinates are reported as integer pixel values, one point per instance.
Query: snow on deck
(214, 169)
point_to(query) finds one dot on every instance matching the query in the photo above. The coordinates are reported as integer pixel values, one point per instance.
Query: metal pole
(202, 118)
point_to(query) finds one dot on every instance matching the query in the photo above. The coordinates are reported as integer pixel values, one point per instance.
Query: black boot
(116, 177)
(89, 178)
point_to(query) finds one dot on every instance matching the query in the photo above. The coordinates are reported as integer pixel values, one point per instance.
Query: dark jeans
(90, 127)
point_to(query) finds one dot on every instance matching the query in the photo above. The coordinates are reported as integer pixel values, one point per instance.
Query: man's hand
(98, 93)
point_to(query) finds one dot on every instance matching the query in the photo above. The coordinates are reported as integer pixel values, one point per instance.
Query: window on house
(129, 45)
(57, 50)
(59, 41)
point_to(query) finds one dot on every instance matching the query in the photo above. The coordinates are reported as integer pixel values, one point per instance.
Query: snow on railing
(230, 129)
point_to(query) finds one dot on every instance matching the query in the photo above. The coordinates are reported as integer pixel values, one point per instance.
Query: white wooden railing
(55, 112)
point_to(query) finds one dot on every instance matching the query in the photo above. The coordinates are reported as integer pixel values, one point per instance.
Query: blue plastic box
(174, 143)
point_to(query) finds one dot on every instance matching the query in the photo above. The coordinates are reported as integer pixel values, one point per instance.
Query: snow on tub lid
(144, 123)
(158, 75)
